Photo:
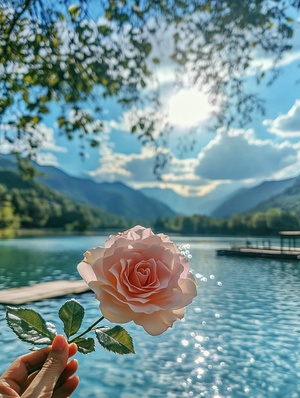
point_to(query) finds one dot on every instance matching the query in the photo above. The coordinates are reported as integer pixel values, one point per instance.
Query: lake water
(240, 336)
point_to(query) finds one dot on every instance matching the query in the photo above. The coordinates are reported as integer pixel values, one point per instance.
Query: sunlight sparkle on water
(251, 351)
(185, 251)
(181, 358)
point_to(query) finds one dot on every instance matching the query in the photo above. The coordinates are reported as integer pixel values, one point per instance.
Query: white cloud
(138, 170)
(238, 155)
(112, 165)
(45, 136)
(116, 166)
(287, 125)
(41, 134)
(48, 159)
(289, 171)
(267, 63)
(134, 115)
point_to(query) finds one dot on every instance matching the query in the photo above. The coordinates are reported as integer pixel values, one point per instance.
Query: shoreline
(42, 232)
(27, 233)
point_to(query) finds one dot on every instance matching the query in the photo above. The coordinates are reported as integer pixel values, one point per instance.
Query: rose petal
(158, 322)
(86, 272)
(90, 256)
(111, 308)
(189, 292)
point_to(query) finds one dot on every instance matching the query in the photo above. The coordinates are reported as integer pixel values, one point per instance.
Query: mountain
(30, 204)
(288, 200)
(248, 198)
(115, 198)
(189, 205)
(8, 162)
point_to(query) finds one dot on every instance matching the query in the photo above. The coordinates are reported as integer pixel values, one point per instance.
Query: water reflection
(240, 337)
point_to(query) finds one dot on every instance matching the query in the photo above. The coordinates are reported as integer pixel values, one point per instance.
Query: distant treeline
(27, 204)
(269, 222)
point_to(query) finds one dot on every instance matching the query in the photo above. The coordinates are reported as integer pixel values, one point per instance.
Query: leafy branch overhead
(76, 55)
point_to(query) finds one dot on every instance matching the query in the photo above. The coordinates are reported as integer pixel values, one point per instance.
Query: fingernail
(59, 343)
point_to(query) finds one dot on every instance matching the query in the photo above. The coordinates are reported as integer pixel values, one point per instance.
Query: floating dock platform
(260, 252)
(289, 252)
(42, 291)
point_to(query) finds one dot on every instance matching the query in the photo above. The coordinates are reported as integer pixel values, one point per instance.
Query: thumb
(45, 381)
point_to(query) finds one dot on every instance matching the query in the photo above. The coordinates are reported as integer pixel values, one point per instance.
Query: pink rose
(139, 276)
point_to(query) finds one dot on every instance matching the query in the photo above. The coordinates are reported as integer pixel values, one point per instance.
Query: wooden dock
(289, 252)
(41, 291)
(275, 253)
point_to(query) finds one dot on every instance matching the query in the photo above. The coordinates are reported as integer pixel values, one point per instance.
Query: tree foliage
(9, 222)
(267, 223)
(78, 54)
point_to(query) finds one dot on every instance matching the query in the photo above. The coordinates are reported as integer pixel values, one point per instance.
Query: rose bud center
(141, 274)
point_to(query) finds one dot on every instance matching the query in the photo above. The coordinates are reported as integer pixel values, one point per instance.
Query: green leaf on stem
(85, 346)
(71, 313)
(29, 326)
(116, 340)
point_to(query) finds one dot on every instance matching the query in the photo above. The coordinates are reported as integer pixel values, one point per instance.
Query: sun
(188, 108)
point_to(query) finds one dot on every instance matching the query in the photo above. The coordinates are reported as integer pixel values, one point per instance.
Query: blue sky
(267, 149)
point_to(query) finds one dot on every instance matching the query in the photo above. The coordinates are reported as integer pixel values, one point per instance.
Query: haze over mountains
(152, 203)
(221, 203)
(189, 205)
(249, 198)
(288, 200)
(114, 198)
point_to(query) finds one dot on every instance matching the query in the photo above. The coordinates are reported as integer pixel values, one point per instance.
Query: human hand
(42, 374)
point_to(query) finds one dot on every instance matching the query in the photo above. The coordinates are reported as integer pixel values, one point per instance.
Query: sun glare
(188, 108)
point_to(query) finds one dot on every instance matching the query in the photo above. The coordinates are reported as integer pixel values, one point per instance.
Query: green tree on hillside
(78, 54)
(265, 223)
(278, 219)
(33, 205)
(9, 222)
(259, 223)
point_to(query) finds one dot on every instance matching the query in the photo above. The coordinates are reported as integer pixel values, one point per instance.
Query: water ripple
(240, 337)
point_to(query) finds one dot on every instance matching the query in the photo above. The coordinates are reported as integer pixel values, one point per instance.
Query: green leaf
(28, 79)
(108, 14)
(116, 340)
(85, 346)
(29, 326)
(74, 10)
(35, 119)
(71, 313)
(176, 37)
(147, 48)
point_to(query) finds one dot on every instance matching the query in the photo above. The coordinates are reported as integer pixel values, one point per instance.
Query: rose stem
(87, 330)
